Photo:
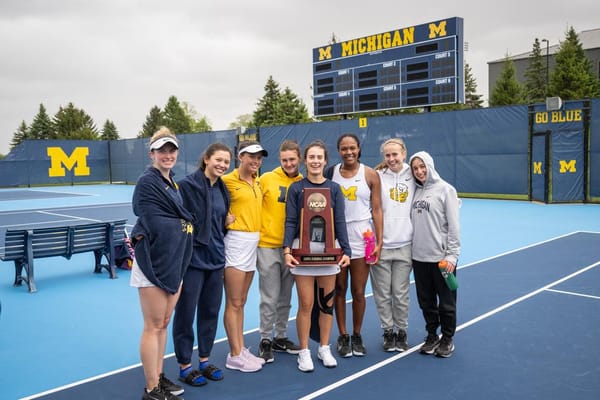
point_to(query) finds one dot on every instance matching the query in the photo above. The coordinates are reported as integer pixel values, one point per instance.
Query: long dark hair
(210, 150)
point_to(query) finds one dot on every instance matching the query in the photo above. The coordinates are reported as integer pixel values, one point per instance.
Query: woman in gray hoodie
(436, 237)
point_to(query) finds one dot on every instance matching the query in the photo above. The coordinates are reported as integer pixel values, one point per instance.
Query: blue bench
(24, 245)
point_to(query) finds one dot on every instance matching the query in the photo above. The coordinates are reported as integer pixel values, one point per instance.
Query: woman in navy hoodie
(207, 198)
(162, 237)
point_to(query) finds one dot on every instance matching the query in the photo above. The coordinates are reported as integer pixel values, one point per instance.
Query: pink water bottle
(369, 238)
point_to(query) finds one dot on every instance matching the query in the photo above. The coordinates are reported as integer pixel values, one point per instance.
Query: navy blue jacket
(164, 252)
(196, 198)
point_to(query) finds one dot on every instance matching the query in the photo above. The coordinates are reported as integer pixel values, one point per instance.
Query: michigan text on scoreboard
(416, 66)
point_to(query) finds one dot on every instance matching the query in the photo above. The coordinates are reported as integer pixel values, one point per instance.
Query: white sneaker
(241, 363)
(258, 360)
(305, 362)
(324, 354)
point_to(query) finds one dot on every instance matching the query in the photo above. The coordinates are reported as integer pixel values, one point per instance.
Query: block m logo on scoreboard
(324, 53)
(438, 30)
(59, 161)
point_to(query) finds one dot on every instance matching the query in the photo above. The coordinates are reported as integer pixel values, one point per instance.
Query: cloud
(116, 60)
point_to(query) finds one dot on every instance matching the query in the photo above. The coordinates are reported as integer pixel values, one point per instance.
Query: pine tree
(536, 87)
(572, 77)
(507, 90)
(174, 117)
(278, 107)
(74, 124)
(20, 135)
(472, 99)
(109, 131)
(41, 127)
(154, 120)
(291, 109)
(266, 110)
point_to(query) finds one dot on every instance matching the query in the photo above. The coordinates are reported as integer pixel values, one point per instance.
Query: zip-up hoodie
(397, 191)
(435, 217)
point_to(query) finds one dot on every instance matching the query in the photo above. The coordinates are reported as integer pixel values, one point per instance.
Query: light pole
(547, 64)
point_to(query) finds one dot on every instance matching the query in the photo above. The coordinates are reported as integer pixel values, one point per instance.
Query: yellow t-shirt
(246, 202)
(275, 185)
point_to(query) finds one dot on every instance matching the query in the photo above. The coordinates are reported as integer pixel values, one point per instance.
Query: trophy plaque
(317, 233)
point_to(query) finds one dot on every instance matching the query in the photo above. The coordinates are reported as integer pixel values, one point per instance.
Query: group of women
(209, 231)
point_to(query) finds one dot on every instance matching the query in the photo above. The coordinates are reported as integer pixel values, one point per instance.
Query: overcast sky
(116, 59)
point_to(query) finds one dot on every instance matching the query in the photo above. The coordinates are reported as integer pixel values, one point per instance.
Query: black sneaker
(343, 346)
(168, 386)
(401, 341)
(358, 349)
(285, 345)
(389, 340)
(445, 348)
(431, 343)
(159, 393)
(265, 350)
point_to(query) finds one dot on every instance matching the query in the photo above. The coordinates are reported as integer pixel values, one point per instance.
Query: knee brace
(324, 299)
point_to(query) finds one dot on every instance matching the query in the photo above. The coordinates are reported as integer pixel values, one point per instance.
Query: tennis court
(528, 302)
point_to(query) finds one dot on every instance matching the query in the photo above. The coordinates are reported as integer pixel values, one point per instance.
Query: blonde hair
(382, 165)
(162, 131)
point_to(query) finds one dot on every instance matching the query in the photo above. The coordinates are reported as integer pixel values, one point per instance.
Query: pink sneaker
(242, 363)
(246, 353)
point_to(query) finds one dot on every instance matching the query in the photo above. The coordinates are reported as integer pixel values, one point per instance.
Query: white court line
(93, 206)
(458, 328)
(589, 296)
(69, 216)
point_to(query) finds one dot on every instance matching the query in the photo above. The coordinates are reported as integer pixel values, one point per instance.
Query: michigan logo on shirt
(399, 193)
(350, 193)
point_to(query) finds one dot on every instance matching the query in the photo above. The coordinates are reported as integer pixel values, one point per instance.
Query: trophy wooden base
(309, 259)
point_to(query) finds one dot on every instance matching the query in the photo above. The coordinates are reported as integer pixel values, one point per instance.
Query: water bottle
(448, 276)
(369, 238)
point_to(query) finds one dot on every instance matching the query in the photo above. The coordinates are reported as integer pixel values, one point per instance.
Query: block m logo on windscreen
(60, 161)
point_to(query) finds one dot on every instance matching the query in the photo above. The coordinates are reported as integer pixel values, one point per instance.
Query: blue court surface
(528, 326)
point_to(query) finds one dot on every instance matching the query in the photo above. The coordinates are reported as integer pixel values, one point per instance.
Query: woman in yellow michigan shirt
(241, 242)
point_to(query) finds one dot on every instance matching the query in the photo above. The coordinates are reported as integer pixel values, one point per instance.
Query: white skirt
(240, 250)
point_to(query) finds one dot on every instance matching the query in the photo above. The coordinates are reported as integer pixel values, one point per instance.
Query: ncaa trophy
(317, 234)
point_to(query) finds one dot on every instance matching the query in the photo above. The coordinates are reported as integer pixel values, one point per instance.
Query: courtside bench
(24, 245)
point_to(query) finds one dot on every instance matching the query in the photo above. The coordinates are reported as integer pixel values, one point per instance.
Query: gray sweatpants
(390, 280)
(275, 283)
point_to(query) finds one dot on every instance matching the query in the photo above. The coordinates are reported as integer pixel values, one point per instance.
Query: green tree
(278, 107)
(198, 123)
(20, 135)
(41, 127)
(266, 110)
(154, 120)
(536, 87)
(291, 109)
(74, 123)
(109, 131)
(507, 90)
(572, 77)
(472, 99)
(244, 120)
(175, 118)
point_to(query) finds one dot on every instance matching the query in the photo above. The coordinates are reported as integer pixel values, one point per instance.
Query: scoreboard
(417, 66)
